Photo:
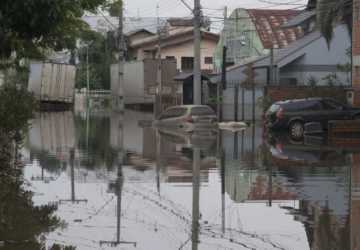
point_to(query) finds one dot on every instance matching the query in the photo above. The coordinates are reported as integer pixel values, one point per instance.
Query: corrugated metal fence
(245, 102)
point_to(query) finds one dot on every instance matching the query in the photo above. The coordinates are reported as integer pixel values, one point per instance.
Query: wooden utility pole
(121, 49)
(222, 84)
(159, 71)
(271, 68)
(197, 52)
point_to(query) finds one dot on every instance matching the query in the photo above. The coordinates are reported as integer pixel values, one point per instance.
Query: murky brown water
(180, 192)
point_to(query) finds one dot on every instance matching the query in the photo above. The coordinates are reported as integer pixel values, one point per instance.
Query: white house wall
(317, 55)
(187, 50)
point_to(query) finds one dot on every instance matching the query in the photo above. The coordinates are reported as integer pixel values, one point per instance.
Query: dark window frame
(187, 63)
(209, 60)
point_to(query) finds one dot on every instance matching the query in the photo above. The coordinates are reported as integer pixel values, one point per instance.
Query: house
(250, 33)
(176, 40)
(177, 43)
(306, 61)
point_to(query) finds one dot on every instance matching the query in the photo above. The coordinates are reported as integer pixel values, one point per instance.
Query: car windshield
(202, 111)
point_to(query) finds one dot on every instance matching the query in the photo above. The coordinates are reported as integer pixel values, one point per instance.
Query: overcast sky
(167, 8)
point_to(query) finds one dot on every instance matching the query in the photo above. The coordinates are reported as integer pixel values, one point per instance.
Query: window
(187, 63)
(172, 113)
(208, 60)
(202, 111)
(170, 58)
(332, 105)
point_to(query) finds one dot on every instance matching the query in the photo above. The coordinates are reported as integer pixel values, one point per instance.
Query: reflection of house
(53, 133)
(250, 33)
(324, 228)
(250, 185)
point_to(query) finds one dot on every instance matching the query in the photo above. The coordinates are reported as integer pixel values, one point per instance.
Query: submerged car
(294, 114)
(187, 118)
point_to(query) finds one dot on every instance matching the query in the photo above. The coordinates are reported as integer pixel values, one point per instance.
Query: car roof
(302, 100)
(189, 106)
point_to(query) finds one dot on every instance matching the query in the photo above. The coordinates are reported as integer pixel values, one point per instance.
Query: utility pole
(121, 49)
(87, 76)
(271, 73)
(159, 71)
(222, 85)
(197, 52)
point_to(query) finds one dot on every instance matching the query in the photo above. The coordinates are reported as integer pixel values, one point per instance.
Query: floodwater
(228, 190)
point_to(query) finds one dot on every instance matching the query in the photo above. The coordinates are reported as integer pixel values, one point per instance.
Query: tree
(100, 50)
(331, 12)
(28, 27)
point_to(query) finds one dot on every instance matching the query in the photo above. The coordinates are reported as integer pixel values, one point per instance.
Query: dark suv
(293, 114)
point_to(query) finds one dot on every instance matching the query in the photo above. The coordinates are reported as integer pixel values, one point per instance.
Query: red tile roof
(268, 25)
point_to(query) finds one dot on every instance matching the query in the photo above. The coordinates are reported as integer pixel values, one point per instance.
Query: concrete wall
(140, 80)
(52, 82)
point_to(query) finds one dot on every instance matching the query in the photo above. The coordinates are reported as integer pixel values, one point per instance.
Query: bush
(17, 106)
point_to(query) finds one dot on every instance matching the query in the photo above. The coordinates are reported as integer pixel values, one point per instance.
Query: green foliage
(21, 223)
(100, 51)
(331, 12)
(16, 108)
(331, 80)
(312, 81)
(30, 26)
(114, 7)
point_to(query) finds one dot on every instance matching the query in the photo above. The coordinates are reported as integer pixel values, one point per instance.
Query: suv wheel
(296, 129)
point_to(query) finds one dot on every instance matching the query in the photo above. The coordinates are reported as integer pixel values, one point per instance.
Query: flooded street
(216, 191)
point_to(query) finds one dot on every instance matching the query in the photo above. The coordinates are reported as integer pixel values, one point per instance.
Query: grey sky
(176, 8)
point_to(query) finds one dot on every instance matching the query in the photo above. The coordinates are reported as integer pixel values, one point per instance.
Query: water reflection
(169, 190)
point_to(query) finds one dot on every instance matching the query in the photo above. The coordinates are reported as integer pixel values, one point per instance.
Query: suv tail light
(280, 114)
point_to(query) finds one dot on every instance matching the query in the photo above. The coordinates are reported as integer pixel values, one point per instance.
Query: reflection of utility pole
(270, 185)
(236, 146)
(253, 143)
(158, 160)
(87, 127)
(118, 190)
(42, 177)
(196, 197)
(73, 198)
(222, 168)
(242, 143)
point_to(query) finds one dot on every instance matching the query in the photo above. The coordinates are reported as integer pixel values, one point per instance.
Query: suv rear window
(174, 112)
(303, 105)
(197, 111)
